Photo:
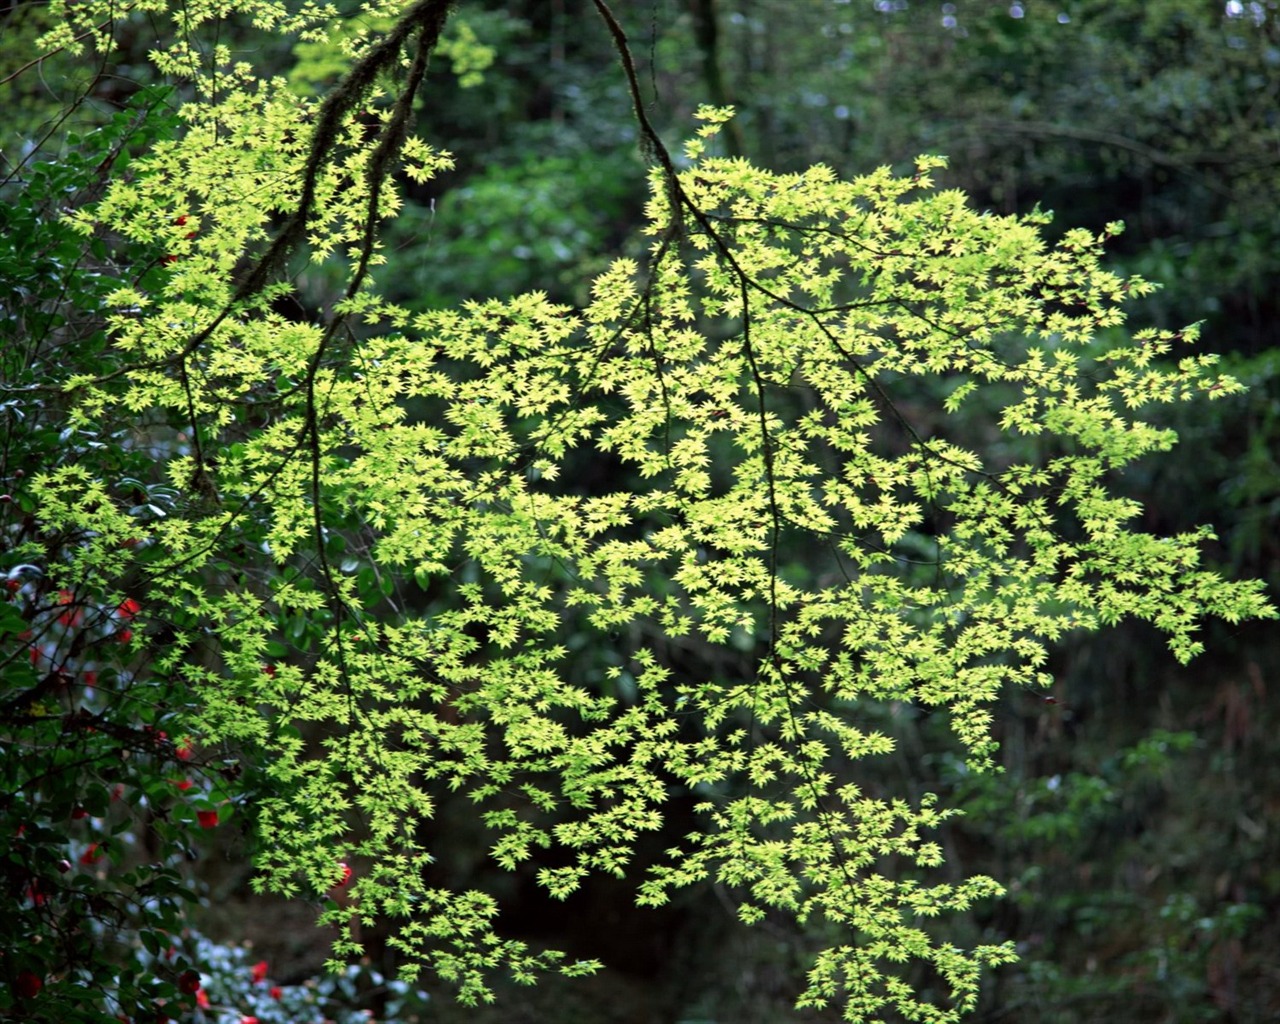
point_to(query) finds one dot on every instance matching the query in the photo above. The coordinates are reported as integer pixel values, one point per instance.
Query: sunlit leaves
(418, 508)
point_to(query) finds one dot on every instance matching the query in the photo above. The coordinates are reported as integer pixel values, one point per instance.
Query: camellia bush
(310, 561)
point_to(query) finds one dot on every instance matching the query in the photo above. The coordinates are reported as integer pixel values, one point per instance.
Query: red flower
(79, 812)
(259, 971)
(208, 819)
(28, 984)
(183, 784)
(128, 608)
(275, 991)
(202, 1000)
(248, 1020)
(184, 749)
(93, 854)
(72, 616)
(189, 982)
(124, 636)
(90, 678)
(346, 875)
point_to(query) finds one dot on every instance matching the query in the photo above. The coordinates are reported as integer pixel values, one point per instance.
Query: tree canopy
(821, 444)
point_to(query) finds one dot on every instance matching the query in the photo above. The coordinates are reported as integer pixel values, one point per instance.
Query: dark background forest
(1135, 820)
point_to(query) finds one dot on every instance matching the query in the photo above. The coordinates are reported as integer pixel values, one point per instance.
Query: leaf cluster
(377, 537)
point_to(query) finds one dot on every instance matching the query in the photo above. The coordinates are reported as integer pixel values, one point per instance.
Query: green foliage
(321, 62)
(537, 224)
(105, 801)
(1164, 108)
(1091, 869)
(240, 986)
(1057, 810)
(374, 524)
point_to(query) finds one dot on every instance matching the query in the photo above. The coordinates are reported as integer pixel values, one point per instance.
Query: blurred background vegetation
(1137, 819)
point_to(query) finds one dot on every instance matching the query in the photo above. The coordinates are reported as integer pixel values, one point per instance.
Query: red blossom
(248, 1020)
(189, 982)
(259, 971)
(202, 1000)
(182, 784)
(72, 616)
(275, 992)
(128, 608)
(94, 854)
(346, 875)
(125, 635)
(208, 819)
(185, 748)
(28, 984)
